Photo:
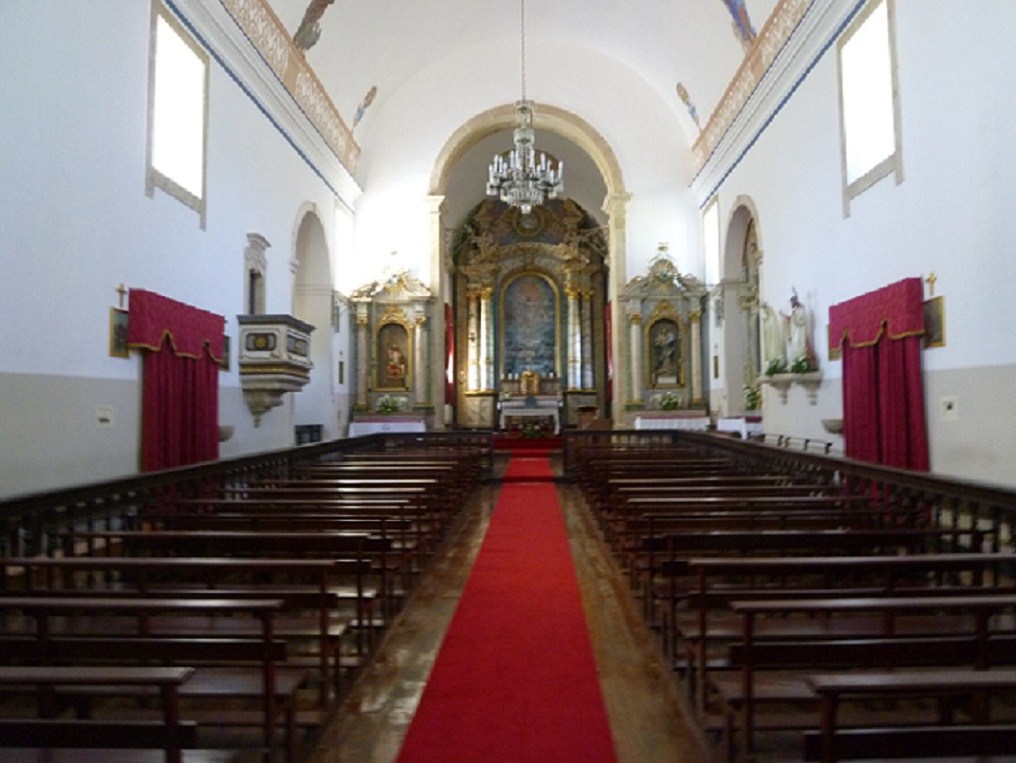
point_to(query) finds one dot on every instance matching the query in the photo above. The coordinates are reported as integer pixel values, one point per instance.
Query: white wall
(75, 223)
(946, 217)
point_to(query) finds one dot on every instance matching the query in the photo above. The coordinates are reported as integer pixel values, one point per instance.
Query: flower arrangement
(531, 429)
(667, 401)
(776, 366)
(388, 404)
(801, 365)
(752, 398)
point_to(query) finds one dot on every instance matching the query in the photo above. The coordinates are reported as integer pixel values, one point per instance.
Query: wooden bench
(357, 547)
(272, 688)
(938, 742)
(86, 740)
(845, 617)
(311, 592)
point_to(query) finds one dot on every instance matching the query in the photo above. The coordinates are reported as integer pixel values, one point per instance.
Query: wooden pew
(943, 741)
(53, 739)
(249, 544)
(840, 617)
(709, 584)
(312, 594)
(272, 688)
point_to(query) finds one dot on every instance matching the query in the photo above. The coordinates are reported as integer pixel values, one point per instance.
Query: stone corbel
(811, 381)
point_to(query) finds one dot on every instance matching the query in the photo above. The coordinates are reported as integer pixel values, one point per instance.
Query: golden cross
(931, 282)
(122, 292)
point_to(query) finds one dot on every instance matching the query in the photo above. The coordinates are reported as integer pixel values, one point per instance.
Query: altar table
(543, 409)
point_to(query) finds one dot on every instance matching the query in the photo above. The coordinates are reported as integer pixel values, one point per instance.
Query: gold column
(574, 340)
(695, 316)
(473, 342)
(588, 382)
(363, 356)
(421, 367)
(486, 340)
(635, 366)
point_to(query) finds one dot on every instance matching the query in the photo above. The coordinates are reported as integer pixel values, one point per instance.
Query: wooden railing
(29, 524)
(949, 503)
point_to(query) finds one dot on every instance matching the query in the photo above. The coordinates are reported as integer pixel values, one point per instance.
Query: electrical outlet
(949, 408)
(104, 416)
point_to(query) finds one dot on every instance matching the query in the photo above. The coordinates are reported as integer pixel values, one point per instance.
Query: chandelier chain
(522, 27)
(523, 177)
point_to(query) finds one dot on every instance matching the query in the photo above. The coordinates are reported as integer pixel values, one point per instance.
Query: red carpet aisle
(515, 680)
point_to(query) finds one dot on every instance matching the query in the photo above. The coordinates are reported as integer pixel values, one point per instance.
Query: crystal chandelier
(520, 177)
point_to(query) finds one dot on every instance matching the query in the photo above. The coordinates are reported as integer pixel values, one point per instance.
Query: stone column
(574, 340)
(363, 355)
(473, 343)
(635, 367)
(616, 207)
(696, 355)
(486, 341)
(588, 382)
(435, 372)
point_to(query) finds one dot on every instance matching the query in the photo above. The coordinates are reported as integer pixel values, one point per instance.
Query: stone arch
(741, 273)
(571, 127)
(312, 303)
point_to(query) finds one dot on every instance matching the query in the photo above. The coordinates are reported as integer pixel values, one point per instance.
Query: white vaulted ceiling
(439, 66)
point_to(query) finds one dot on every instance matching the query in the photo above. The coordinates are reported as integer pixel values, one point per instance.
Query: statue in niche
(800, 355)
(665, 346)
(773, 343)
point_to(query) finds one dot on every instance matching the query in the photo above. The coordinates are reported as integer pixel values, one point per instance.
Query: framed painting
(529, 326)
(393, 357)
(934, 322)
(118, 333)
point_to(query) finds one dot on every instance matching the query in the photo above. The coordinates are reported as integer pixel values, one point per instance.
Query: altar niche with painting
(665, 342)
(392, 356)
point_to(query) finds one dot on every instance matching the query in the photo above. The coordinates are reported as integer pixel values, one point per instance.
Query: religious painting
(529, 327)
(934, 322)
(393, 357)
(118, 333)
(664, 353)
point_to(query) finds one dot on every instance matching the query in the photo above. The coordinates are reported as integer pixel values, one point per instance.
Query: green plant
(387, 404)
(668, 401)
(752, 398)
(776, 366)
(801, 365)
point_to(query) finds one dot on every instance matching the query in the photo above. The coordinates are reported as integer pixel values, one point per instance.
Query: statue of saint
(773, 344)
(798, 339)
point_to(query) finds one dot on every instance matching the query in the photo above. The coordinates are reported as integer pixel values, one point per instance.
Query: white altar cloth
(746, 426)
(545, 407)
(694, 422)
(380, 424)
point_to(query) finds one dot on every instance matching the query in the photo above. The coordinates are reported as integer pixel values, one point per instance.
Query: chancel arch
(530, 292)
(454, 154)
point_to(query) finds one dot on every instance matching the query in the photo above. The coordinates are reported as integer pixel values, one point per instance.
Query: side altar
(393, 351)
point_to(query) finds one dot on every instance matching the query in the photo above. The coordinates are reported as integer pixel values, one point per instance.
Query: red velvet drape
(180, 406)
(880, 334)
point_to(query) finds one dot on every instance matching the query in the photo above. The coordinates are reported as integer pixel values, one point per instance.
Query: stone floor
(647, 713)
